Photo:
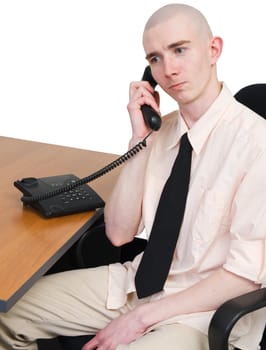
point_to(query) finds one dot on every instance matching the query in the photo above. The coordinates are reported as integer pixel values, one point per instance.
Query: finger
(140, 92)
(135, 105)
(90, 345)
(140, 95)
(138, 88)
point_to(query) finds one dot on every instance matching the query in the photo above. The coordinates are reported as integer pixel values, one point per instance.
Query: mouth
(177, 86)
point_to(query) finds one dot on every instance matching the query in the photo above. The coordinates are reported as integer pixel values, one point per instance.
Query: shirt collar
(200, 131)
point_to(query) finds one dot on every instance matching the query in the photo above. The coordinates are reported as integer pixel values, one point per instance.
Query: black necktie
(157, 257)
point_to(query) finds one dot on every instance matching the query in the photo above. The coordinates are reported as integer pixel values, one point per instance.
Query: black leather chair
(254, 97)
(224, 319)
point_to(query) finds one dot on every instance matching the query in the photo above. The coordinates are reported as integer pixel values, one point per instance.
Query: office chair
(226, 316)
(254, 97)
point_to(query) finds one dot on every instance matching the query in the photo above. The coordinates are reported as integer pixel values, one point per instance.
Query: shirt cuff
(248, 259)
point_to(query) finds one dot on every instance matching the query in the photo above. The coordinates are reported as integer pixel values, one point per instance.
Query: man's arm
(123, 209)
(205, 295)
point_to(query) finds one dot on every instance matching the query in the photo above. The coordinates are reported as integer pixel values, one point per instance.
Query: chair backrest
(254, 97)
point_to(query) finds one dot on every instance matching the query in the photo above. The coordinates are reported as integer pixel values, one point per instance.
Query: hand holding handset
(151, 117)
(39, 193)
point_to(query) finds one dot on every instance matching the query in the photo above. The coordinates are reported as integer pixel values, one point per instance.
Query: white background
(65, 65)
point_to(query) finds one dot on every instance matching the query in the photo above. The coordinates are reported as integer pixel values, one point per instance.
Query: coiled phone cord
(117, 162)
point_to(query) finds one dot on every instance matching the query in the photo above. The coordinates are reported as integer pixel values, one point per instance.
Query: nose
(171, 68)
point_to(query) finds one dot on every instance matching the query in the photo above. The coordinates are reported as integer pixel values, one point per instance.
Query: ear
(216, 47)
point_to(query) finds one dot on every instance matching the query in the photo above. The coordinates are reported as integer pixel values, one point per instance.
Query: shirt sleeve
(247, 252)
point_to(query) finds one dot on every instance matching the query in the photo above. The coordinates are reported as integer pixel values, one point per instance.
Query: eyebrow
(169, 47)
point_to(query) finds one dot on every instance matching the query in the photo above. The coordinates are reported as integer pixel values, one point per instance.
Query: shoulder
(251, 124)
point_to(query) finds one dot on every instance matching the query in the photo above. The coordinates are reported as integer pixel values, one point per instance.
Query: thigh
(67, 303)
(170, 337)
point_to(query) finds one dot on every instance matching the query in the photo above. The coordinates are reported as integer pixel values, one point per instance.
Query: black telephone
(67, 194)
(151, 117)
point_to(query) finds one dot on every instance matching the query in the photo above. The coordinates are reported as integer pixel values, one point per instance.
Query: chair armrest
(229, 313)
(133, 248)
(94, 248)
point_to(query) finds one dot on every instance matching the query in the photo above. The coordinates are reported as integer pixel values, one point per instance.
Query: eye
(154, 59)
(180, 50)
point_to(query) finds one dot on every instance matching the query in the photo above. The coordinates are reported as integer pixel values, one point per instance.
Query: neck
(192, 111)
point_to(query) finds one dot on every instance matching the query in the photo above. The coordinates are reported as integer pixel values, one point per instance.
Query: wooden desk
(29, 243)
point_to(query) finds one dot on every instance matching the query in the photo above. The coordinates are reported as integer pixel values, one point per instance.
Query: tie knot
(184, 139)
(185, 143)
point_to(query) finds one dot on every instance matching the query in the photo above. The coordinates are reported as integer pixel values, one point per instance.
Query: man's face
(180, 58)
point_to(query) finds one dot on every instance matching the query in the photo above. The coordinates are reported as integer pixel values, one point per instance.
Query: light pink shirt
(225, 217)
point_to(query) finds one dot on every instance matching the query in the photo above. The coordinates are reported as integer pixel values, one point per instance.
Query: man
(220, 251)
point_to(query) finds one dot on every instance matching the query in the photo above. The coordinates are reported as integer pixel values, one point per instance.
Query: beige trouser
(73, 303)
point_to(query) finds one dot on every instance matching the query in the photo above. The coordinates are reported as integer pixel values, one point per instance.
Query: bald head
(170, 11)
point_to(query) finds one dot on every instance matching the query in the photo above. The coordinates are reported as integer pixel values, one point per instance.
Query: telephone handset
(151, 117)
(67, 194)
